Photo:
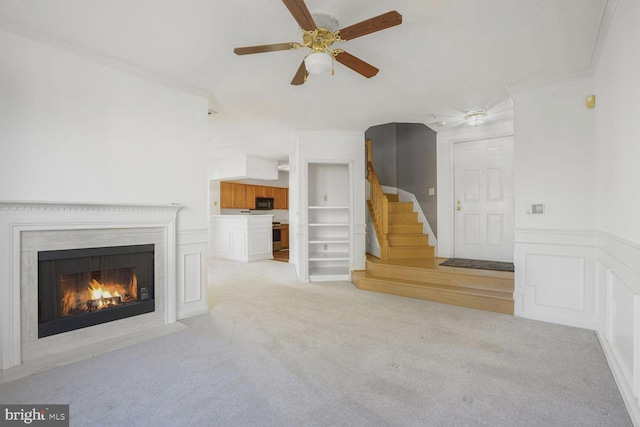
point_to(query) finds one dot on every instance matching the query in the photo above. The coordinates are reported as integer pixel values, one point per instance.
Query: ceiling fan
(320, 38)
(475, 117)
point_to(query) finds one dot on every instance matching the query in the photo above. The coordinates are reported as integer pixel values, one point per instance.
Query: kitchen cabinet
(250, 196)
(280, 197)
(243, 238)
(243, 196)
(284, 236)
(226, 201)
(237, 192)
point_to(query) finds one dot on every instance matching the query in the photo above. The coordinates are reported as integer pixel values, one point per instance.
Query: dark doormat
(476, 263)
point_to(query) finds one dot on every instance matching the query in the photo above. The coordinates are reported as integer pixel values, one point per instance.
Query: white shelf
(329, 224)
(329, 273)
(328, 207)
(329, 256)
(329, 240)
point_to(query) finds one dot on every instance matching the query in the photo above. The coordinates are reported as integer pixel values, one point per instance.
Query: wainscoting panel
(618, 293)
(192, 273)
(558, 281)
(555, 276)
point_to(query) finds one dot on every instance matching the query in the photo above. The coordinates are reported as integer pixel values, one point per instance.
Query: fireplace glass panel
(85, 287)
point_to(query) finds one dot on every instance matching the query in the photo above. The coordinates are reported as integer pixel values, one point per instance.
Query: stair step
(484, 300)
(392, 197)
(482, 280)
(405, 228)
(411, 252)
(408, 239)
(400, 207)
(403, 218)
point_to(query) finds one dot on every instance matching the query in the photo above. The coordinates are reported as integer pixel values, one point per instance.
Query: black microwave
(264, 203)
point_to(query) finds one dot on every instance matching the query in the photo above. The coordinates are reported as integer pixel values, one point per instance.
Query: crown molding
(608, 11)
(125, 67)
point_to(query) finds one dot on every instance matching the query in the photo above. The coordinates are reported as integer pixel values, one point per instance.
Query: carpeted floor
(476, 263)
(274, 352)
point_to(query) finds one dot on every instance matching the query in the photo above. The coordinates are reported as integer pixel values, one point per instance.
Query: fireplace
(78, 288)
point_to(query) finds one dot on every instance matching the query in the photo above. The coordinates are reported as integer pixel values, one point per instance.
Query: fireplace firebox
(78, 288)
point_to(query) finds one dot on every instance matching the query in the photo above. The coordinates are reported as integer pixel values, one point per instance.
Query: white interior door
(484, 200)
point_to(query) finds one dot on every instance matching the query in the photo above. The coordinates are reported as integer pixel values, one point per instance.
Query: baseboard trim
(630, 401)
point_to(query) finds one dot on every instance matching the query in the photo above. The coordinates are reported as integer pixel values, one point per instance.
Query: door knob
(458, 208)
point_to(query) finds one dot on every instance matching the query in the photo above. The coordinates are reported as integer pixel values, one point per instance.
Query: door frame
(446, 204)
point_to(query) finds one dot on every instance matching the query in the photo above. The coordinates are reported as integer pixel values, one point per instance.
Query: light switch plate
(432, 191)
(537, 208)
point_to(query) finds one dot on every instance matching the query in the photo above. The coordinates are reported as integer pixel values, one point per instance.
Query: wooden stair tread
(433, 264)
(479, 281)
(462, 290)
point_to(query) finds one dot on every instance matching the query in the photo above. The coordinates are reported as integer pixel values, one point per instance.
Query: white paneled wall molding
(586, 279)
(192, 273)
(618, 313)
(555, 275)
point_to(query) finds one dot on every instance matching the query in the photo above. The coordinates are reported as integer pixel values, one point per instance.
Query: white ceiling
(447, 57)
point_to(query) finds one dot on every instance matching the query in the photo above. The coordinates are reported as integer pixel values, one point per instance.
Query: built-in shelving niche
(329, 222)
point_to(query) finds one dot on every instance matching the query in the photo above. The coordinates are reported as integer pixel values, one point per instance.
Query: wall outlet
(537, 208)
(326, 197)
(432, 191)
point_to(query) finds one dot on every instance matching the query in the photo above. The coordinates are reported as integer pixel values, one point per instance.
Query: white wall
(617, 92)
(75, 130)
(555, 156)
(618, 132)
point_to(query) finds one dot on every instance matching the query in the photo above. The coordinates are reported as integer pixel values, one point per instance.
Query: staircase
(407, 265)
(405, 237)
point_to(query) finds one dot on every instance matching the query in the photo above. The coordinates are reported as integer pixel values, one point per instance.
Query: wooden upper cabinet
(280, 198)
(260, 191)
(238, 195)
(250, 196)
(243, 196)
(232, 195)
(226, 195)
(270, 192)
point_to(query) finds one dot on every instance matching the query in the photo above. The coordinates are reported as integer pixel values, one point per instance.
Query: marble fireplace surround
(29, 227)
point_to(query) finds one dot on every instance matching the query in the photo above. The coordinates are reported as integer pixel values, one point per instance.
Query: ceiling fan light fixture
(476, 117)
(318, 62)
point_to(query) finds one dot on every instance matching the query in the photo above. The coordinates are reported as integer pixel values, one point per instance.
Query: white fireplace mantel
(18, 217)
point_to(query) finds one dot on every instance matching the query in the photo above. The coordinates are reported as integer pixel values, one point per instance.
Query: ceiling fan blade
(301, 14)
(356, 64)
(263, 48)
(301, 75)
(371, 25)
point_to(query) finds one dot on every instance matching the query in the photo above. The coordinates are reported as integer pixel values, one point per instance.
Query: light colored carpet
(274, 352)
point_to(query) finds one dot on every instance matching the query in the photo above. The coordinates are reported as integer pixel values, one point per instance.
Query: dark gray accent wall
(383, 147)
(416, 166)
(404, 156)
